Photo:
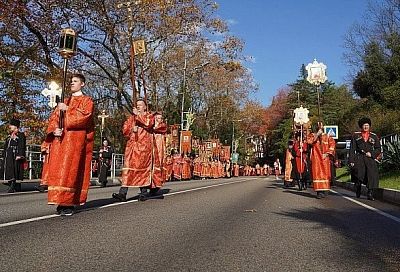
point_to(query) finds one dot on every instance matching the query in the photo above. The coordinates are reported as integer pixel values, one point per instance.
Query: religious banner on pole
(215, 147)
(186, 141)
(225, 153)
(174, 136)
(208, 145)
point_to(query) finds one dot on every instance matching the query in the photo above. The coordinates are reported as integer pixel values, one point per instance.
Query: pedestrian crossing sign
(332, 131)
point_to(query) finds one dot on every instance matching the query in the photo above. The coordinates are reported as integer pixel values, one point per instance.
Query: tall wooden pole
(133, 80)
(143, 81)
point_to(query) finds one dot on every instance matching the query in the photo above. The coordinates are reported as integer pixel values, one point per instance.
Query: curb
(387, 195)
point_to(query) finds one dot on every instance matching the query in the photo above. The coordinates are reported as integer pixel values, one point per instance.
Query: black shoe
(358, 190)
(59, 209)
(299, 185)
(143, 196)
(67, 211)
(12, 185)
(103, 184)
(40, 188)
(153, 191)
(119, 197)
(370, 195)
(319, 195)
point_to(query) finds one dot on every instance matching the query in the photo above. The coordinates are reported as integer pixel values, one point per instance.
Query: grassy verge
(387, 179)
(343, 174)
(390, 180)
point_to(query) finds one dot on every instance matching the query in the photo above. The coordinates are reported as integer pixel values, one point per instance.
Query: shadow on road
(302, 193)
(309, 193)
(365, 244)
(21, 187)
(106, 201)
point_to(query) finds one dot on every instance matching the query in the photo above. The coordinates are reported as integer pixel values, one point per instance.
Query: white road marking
(394, 218)
(13, 223)
(28, 220)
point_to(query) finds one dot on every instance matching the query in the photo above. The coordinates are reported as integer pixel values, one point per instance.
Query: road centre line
(394, 218)
(34, 219)
(12, 223)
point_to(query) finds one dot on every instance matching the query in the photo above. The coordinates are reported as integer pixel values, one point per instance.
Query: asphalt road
(242, 224)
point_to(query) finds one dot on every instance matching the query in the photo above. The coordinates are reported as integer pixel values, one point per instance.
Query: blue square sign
(332, 131)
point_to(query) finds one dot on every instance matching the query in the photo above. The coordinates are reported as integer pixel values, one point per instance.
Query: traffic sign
(332, 131)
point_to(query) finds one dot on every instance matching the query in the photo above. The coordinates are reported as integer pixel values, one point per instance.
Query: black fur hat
(364, 120)
(15, 122)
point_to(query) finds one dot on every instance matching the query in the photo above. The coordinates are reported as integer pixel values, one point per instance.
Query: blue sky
(283, 34)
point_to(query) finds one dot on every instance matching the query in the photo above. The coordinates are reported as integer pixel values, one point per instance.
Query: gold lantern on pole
(67, 49)
(67, 43)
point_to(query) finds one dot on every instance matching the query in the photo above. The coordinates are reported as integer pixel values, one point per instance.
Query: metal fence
(390, 138)
(35, 161)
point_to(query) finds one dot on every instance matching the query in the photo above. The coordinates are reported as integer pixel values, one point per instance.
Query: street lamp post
(234, 146)
(183, 104)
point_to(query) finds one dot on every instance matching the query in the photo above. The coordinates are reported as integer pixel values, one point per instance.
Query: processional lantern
(67, 43)
(67, 49)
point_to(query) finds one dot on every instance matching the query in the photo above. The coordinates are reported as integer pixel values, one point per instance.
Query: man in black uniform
(105, 158)
(365, 149)
(14, 155)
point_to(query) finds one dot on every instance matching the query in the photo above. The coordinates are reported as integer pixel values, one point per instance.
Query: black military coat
(365, 168)
(13, 169)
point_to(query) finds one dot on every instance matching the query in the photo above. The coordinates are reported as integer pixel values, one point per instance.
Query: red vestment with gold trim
(66, 169)
(321, 150)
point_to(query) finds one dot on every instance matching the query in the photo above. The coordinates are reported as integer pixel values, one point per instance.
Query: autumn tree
(374, 52)
(178, 35)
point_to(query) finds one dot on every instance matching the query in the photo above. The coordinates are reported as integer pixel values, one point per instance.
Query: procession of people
(67, 151)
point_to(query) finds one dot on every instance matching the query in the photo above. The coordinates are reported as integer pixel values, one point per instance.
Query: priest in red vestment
(140, 153)
(322, 151)
(69, 150)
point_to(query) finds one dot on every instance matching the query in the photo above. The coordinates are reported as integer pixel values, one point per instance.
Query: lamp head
(67, 43)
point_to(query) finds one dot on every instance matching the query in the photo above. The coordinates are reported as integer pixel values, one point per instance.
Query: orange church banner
(186, 141)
